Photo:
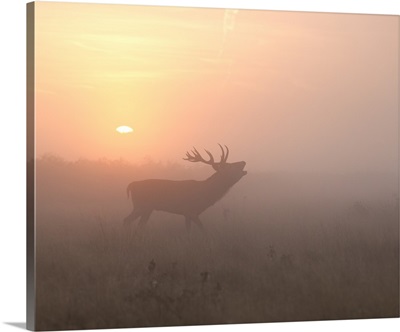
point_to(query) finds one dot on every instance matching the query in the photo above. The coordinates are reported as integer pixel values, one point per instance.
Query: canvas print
(193, 166)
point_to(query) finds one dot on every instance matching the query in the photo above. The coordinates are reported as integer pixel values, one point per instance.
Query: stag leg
(143, 219)
(199, 224)
(188, 223)
(136, 213)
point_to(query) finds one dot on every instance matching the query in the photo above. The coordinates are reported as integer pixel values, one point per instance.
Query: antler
(195, 156)
(224, 157)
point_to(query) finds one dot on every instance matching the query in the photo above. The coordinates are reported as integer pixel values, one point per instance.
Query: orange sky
(285, 91)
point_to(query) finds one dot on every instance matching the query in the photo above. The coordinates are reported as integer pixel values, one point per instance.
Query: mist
(298, 222)
(274, 240)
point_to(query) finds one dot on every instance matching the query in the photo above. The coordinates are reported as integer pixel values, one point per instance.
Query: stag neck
(215, 187)
(218, 182)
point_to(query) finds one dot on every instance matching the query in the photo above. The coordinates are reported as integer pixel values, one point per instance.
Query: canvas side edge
(30, 167)
(398, 164)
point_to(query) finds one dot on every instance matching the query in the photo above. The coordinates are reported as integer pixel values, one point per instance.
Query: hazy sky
(285, 91)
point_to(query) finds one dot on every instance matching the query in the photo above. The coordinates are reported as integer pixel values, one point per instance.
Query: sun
(124, 129)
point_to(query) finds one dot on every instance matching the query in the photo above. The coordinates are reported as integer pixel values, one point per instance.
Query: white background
(12, 166)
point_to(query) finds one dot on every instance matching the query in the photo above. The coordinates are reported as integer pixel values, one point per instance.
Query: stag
(188, 198)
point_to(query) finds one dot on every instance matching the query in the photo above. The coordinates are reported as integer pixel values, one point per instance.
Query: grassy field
(260, 261)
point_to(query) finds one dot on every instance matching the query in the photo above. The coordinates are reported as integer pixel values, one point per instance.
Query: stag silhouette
(188, 198)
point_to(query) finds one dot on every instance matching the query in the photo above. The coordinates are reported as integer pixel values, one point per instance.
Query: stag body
(188, 198)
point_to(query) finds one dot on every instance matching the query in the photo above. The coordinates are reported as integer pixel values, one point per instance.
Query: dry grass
(286, 264)
(279, 248)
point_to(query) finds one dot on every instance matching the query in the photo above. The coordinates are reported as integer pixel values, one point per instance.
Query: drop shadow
(20, 325)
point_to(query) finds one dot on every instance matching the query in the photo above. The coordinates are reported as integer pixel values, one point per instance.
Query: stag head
(233, 171)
